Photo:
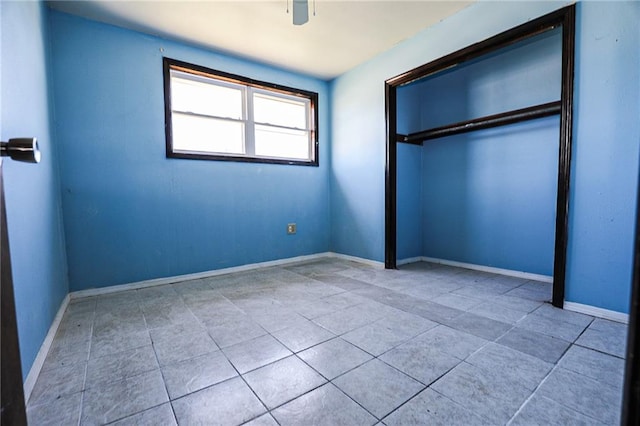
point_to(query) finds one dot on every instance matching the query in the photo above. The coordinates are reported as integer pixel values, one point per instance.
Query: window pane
(279, 111)
(204, 98)
(208, 135)
(282, 143)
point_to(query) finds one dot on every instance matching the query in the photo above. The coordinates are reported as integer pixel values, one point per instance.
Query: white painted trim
(507, 272)
(36, 367)
(369, 262)
(597, 312)
(198, 275)
(409, 260)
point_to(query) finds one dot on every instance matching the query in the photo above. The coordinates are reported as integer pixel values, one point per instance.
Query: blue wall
(605, 166)
(32, 191)
(358, 126)
(488, 197)
(606, 140)
(409, 193)
(357, 163)
(410, 211)
(130, 213)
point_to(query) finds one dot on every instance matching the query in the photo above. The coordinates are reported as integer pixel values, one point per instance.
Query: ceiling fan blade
(300, 12)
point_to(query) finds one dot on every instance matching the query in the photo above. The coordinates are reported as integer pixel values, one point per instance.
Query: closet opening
(479, 153)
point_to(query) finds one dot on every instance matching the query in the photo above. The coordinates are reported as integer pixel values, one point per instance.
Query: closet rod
(487, 122)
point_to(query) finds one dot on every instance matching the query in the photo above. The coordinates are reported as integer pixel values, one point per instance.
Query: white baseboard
(490, 269)
(597, 312)
(199, 275)
(195, 276)
(34, 372)
(369, 262)
(409, 260)
(569, 306)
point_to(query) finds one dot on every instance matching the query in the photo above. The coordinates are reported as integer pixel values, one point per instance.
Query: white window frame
(248, 88)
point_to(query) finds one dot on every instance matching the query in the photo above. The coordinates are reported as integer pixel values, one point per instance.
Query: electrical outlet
(291, 228)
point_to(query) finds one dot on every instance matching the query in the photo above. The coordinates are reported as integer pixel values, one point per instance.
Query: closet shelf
(486, 122)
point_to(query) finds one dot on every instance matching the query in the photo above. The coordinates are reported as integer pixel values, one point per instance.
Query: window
(219, 116)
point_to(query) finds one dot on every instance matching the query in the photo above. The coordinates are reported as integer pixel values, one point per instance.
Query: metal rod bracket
(21, 149)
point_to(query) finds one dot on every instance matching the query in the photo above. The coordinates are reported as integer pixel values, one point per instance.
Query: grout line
(229, 361)
(137, 412)
(155, 354)
(86, 368)
(426, 385)
(80, 408)
(593, 319)
(134, 375)
(330, 381)
(599, 351)
(419, 392)
(377, 357)
(356, 402)
(296, 354)
(554, 368)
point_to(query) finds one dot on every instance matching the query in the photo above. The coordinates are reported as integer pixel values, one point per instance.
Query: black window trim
(169, 64)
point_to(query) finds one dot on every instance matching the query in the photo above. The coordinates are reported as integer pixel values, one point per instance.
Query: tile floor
(332, 342)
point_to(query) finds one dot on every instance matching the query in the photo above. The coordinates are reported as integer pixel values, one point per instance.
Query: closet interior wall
(486, 197)
(485, 192)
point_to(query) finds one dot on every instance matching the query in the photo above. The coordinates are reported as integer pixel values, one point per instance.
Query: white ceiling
(340, 36)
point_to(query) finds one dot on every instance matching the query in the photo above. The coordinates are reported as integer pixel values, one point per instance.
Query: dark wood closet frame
(11, 386)
(631, 397)
(563, 18)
